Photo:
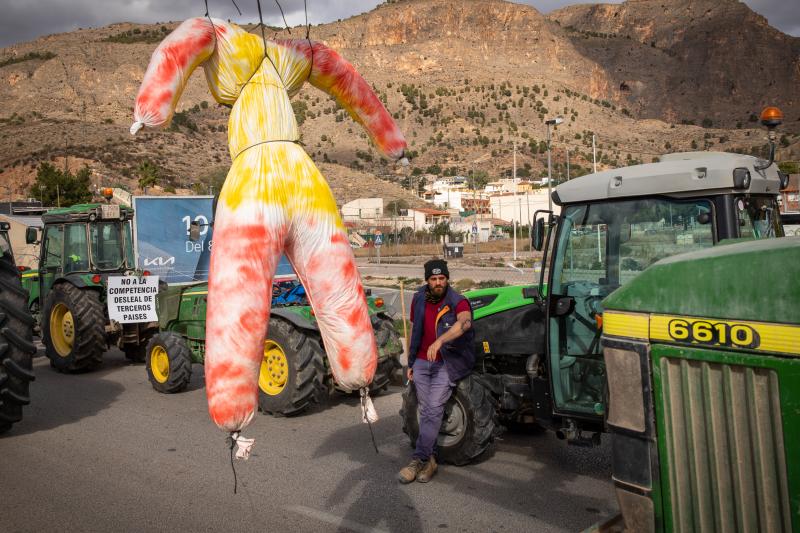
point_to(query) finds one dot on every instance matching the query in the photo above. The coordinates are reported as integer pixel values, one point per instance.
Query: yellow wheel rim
(274, 369)
(62, 329)
(159, 364)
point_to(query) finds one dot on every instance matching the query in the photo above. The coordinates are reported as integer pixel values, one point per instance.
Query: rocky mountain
(465, 79)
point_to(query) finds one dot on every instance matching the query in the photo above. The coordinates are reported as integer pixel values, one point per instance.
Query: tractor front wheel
(292, 370)
(16, 345)
(468, 425)
(73, 328)
(168, 362)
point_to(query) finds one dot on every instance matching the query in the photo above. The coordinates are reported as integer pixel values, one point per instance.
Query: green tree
(789, 167)
(395, 206)
(149, 174)
(479, 179)
(57, 187)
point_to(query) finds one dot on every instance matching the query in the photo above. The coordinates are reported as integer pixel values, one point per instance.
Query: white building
(362, 209)
(519, 207)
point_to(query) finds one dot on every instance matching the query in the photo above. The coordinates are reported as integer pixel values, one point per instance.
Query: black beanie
(435, 267)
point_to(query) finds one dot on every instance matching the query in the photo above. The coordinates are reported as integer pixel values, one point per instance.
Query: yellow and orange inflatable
(274, 200)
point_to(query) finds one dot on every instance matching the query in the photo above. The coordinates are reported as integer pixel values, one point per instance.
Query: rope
(263, 38)
(310, 45)
(232, 443)
(264, 142)
(284, 17)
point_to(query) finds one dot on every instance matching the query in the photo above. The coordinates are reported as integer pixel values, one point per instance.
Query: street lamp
(550, 122)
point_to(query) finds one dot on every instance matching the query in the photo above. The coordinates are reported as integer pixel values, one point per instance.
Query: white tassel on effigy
(243, 445)
(368, 413)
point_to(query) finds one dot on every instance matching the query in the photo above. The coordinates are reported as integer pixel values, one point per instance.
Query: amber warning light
(108, 193)
(771, 117)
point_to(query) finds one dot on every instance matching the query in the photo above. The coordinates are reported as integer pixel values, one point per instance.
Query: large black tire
(292, 372)
(468, 426)
(168, 362)
(74, 342)
(16, 345)
(389, 349)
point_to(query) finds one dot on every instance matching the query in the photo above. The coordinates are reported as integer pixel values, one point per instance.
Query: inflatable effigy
(274, 200)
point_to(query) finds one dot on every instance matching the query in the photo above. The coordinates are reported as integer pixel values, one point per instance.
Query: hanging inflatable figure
(274, 200)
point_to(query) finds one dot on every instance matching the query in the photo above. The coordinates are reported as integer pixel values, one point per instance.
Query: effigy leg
(320, 252)
(248, 239)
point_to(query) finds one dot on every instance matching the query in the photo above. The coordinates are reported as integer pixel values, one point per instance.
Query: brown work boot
(409, 472)
(428, 470)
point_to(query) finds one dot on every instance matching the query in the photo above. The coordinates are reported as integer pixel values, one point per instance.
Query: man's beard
(435, 294)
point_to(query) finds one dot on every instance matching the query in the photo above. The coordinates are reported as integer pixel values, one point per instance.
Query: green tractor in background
(539, 355)
(16, 338)
(81, 248)
(294, 371)
(702, 358)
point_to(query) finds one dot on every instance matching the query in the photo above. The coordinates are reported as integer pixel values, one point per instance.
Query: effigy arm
(171, 64)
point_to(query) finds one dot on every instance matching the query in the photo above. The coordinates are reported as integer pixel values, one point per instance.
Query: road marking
(334, 520)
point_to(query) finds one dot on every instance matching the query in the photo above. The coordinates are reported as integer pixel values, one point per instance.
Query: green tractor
(702, 358)
(16, 338)
(294, 372)
(539, 355)
(82, 248)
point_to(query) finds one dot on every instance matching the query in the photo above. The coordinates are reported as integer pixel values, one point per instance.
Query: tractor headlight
(625, 389)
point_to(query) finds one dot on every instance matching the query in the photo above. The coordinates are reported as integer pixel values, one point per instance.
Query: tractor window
(76, 249)
(758, 217)
(107, 245)
(53, 247)
(600, 247)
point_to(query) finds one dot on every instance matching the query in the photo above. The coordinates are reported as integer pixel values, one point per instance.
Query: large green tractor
(294, 372)
(82, 247)
(16, 338)
(702, 359)
(539, 352)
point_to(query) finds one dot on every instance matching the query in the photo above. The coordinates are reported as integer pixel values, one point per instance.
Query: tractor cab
(85, 242)
(5, 243)
(615, 224)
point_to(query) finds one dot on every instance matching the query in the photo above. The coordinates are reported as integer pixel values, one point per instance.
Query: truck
(702, 360)
(539, 355)
(82, 247)
(16, 338)
(294, 372)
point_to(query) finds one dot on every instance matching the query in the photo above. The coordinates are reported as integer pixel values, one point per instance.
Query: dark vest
(458, 355)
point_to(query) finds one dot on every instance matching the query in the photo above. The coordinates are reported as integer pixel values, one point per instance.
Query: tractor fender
(296, 319)
(76, 280)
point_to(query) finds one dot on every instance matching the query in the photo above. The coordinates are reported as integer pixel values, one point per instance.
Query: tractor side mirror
(31, 235)
(194, 231)
(537, 239)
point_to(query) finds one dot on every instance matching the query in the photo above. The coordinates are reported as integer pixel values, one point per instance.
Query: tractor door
(51, 259)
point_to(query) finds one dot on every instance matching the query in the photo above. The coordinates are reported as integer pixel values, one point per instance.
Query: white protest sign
(132, 299)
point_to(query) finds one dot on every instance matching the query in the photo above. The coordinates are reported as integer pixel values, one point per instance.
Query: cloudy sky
(23, 20)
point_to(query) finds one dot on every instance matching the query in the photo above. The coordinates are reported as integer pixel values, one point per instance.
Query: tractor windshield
(107, 245)
(758, 217)
(598, 248)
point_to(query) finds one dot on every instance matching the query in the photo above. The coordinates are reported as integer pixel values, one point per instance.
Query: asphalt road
(104, 452)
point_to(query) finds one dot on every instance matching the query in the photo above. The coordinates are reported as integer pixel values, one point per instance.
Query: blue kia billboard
(162, 236)
(163, 246)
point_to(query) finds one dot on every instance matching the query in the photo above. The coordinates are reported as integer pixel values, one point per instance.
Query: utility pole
(551, 122)
(58, 196)
(594, 155)
(568, 163)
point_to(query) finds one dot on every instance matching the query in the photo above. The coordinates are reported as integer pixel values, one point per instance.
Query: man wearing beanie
(440, 353)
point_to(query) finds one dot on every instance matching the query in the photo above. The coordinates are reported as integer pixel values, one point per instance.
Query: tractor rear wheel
(16, 345)
(168, 362)
(73, 328)
(292, 371)
(468, 425)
